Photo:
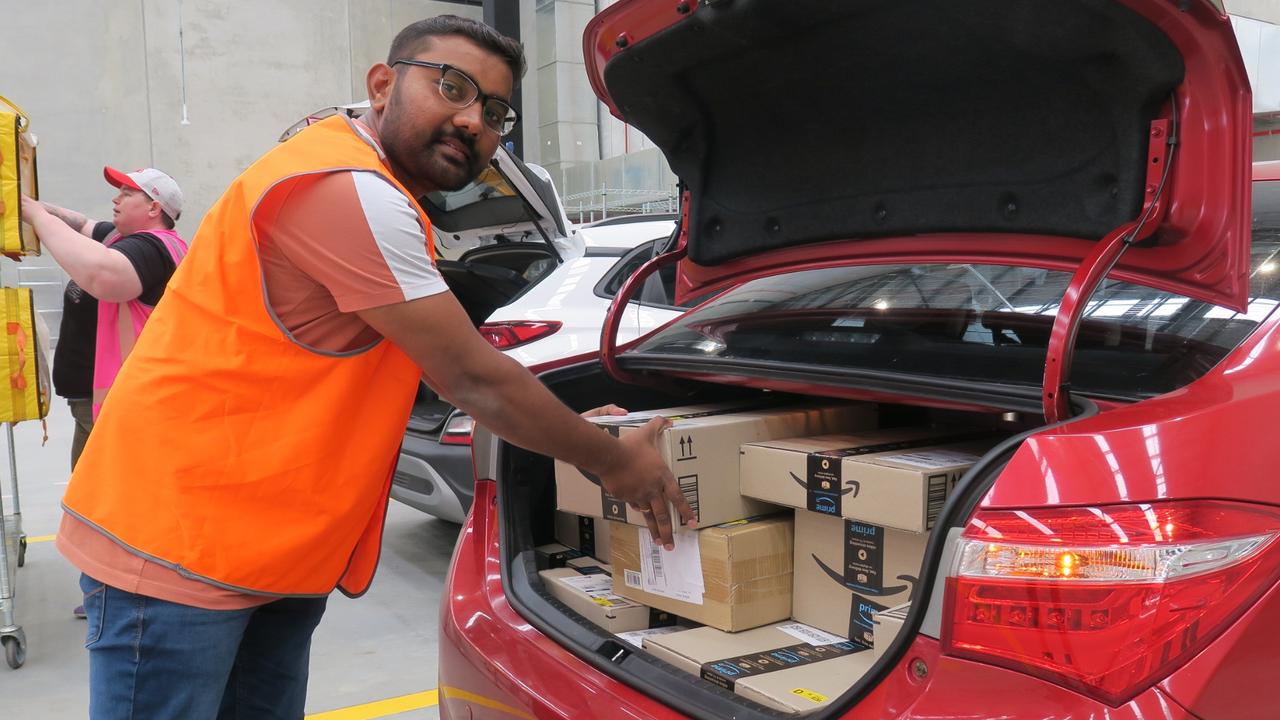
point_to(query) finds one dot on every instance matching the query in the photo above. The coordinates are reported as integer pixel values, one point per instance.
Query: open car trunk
(527, 501)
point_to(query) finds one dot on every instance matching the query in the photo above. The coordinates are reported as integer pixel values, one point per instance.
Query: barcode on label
(659, 577)
(937, 496)
(689, 488)
(631, 578)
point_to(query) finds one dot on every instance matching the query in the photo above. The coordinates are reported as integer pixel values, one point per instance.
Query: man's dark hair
(168, 221)
(417, 37)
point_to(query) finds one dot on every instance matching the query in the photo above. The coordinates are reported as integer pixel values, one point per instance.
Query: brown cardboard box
(898, 478)
(769, 665)
(588, 535)
(701, 447)
(732, 576)
(591, 595)
(846, 571)
(888, 623)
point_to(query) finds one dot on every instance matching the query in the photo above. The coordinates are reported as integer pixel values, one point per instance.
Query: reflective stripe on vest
(228, 451)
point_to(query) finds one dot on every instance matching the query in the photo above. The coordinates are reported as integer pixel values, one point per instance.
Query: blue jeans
(155, 660)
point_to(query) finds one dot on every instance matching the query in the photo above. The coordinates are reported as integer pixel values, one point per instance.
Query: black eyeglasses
(459, 90)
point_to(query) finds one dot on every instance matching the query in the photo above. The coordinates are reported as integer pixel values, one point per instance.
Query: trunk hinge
(613, 319)
(1159, 152)
(1056, 391)
(1093, 270)
(675, 252)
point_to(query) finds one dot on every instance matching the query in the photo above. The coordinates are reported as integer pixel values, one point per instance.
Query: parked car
(558, 314)
(1031, 216)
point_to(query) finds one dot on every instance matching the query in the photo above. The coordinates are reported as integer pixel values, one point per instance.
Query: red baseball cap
(153, 183)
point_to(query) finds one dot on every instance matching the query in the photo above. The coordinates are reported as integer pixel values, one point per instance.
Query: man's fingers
(654, 427)
(683, 508)
(660, 517)
(647, 514)
(603, 410)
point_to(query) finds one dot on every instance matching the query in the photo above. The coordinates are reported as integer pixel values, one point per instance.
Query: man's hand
(32, 210)
(652, 502)
(641, 478)
(603, 410)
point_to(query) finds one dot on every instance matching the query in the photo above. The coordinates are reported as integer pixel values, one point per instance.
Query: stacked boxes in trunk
(588, 588)
(732, 576)
(864, 506)
(788, 666)
(701, 447)
(588, 535)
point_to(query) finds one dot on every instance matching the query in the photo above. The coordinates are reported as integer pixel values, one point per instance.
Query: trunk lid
(1011, 131)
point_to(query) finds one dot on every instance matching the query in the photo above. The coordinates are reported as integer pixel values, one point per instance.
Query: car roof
(625, 235)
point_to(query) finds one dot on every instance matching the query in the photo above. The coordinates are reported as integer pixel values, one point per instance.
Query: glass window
(977, 322)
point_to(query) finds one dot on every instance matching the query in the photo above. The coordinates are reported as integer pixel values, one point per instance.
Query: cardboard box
(780, 669)
(733, 576)
(897, 478)
(587, 535)
(701, 447)
(553, 555)
(888, 624)
(846, 571)
(591, 595)
(586, 561)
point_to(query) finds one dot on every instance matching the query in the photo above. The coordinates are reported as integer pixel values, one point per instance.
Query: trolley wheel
(22, 551)
(14, 653)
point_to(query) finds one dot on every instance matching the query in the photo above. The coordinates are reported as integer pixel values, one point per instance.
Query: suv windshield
(986, 323)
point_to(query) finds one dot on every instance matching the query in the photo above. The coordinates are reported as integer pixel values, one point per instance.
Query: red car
(1027, 215)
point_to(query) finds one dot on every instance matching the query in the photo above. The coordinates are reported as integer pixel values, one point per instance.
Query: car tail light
(514, 333)
(1106, 600)
(458, 429)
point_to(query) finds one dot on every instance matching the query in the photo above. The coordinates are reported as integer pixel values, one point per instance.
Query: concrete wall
(105, 84)
(1264, 10)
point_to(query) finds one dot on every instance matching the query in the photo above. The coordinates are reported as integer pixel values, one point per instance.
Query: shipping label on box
(702, 447)
(847, 571)
(899, 478)
(589, 591)
(732, 576)
(788, 666)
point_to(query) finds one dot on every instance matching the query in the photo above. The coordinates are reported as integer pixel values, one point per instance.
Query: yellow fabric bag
(17, 175)
(24, 378)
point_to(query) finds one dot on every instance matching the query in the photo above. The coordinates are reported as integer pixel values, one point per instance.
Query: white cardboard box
(591, 595)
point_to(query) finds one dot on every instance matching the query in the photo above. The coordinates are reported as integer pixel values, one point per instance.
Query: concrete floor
(380, 646)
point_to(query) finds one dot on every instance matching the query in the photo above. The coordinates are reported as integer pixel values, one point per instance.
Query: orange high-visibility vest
(226, 450)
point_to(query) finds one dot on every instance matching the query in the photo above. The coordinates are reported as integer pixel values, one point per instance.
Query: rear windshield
(978, 322)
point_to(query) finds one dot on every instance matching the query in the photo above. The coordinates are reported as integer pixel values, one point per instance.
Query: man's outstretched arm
(504, 397)
(76, 221)
(102, 272)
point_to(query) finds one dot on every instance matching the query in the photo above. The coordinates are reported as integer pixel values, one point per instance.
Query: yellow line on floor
(382, 708)
(453, 693)
(40, 538)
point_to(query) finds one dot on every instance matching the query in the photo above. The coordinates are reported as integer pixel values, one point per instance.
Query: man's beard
(422, 159)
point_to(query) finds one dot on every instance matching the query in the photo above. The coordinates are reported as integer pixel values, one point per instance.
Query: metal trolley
(13, 555)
